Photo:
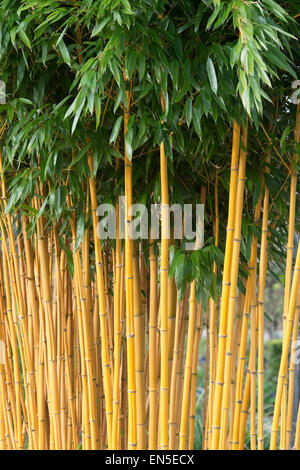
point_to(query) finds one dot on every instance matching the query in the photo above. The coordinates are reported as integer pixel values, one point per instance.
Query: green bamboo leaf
(285, 133)
(212, 75)
(130, 62)
(189, 111)
(81, 154)
(64, 52)
(79, 232)
(24, 38)
(97, 109)
(196, 121)
(42, 209)
(116, 128)
(98, 27)
(212, 18)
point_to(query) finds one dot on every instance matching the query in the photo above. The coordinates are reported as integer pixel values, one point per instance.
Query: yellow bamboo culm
(196, 341)
(153, 363)
(288, 275)
(130, 331)
(117, 334)
(218, 392)
(139, 328)
(188, 369)
(285, 351)
(102, 308)
(164, 268)
(292, 371)
(174, 375)
(233, 288)
(263, 264)
(213, 327)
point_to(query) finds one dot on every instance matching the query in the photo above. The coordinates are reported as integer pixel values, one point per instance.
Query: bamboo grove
(165, 103)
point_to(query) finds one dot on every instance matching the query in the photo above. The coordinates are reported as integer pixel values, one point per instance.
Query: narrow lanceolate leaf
(24, 38)
(64, 52)
(115, 131)
(212, 75)
(79, 232)
(81, 154)
(130, 62)
(98, 28)
(97, 109)
(189, 110)
(285, 133)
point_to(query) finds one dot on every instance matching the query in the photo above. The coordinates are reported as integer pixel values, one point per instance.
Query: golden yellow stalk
(292, 370)
(176, 352)
(288, 270)
(105, 358)
(235, 354)
(263, 263)
(164, 267)
(153, 363)
(130, 333)
(183, 433)
(233, 287)
(216, 419)
(285, 352)
(117, 335)
(213, 324)
(139, 328)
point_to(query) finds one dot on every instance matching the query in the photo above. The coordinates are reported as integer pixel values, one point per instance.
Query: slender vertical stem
(164, 374)
(225, 289)
(233, 286)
